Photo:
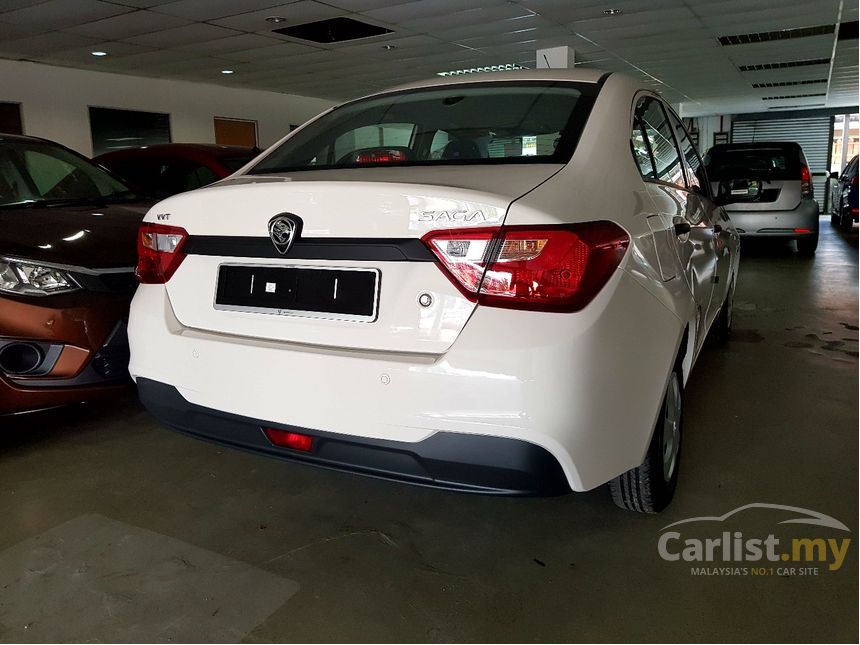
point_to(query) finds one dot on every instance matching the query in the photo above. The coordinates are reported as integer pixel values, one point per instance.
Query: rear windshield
(723, 164)
(478, 123)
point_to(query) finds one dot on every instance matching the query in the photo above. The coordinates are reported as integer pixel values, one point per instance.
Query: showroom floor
(112, 528)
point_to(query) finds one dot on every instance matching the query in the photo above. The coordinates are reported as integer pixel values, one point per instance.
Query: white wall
(707, 126)
(55, 101)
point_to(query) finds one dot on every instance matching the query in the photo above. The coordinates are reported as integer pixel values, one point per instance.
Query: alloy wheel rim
(671, 428)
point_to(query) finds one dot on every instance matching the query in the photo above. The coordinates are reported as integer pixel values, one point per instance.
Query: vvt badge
(283, 230)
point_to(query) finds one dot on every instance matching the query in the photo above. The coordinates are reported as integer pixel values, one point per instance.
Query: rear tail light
(541, 268)
(287, 439)
(805, 182)
(159, 252)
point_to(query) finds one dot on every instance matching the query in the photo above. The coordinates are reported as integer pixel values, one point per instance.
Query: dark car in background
(767, 188)
(166, 169)
(843, 199)
(68, 247)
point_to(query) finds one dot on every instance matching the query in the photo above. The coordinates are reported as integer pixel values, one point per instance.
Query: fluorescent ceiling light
(99, 53)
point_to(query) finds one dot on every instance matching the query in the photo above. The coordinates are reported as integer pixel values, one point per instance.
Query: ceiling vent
(334, 30)
(782, 34)
(791, 96)
(789, 83)
(848, 31)
(793, 63)
(794, 107)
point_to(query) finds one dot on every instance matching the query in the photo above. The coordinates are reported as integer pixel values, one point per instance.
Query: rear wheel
(807, 245)
(649, 487)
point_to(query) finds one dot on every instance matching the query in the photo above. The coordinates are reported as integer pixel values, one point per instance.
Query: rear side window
(724, 164)
(657, 134)
(477, 123)
(641, 151)
(690, 157)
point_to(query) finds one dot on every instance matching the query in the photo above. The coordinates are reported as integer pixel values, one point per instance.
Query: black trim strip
(462, 462)
(367, 249)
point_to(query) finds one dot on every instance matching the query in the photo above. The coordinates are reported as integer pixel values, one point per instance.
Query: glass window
(688, 151)
(10, 118)
(397, 135)
(115, 129)
(471, 123)
(234, 163)
(753, 161)
(641, 153)
(667, 160)
(33, 172)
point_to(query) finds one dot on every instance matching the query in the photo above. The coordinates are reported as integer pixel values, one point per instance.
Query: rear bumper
(800, 222)
(469, 463)
(82, 340)
(548, 385)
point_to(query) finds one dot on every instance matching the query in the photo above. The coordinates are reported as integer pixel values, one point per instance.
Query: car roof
(574, 75)
(181, 149)
(24, 137)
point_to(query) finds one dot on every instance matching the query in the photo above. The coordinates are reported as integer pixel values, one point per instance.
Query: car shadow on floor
(22, 431)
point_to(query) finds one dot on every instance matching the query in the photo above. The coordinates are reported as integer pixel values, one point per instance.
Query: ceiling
(671, 44)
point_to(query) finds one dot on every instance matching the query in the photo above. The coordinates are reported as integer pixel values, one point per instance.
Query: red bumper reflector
(802, 230)
(287, 439)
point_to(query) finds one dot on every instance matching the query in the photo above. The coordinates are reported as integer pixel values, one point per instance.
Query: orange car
(67, 254)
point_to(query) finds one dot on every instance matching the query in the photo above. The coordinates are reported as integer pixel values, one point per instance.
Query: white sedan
(494, 283)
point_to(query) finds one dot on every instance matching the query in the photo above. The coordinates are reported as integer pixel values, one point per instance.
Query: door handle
(682, 226)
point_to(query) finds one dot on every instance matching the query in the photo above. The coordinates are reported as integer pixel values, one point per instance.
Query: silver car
(767, 190)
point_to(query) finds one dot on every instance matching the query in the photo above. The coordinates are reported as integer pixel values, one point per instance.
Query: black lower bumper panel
(470, 463)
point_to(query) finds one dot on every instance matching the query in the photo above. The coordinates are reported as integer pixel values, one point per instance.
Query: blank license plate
(326, 293)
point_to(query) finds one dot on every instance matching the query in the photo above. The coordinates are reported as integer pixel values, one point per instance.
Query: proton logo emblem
(283, 230)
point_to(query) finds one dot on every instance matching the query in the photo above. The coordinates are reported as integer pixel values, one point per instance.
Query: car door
(848, 175)
(714, 217)
(685, 218)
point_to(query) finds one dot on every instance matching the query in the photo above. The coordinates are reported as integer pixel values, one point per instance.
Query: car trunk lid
(358, 232)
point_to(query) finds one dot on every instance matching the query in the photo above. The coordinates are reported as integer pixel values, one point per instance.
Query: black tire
(807, 245)
(648, 488)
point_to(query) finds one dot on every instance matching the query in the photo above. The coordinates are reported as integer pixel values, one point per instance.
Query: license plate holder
(314, 292)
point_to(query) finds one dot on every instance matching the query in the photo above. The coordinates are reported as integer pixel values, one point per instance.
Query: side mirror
(734, 191)
(834, 175)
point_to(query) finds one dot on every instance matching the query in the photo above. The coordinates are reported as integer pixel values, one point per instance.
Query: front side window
(37, 173)
(661, 143)
(478, 123)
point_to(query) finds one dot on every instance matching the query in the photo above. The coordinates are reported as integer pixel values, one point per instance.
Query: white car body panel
(585, 386)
